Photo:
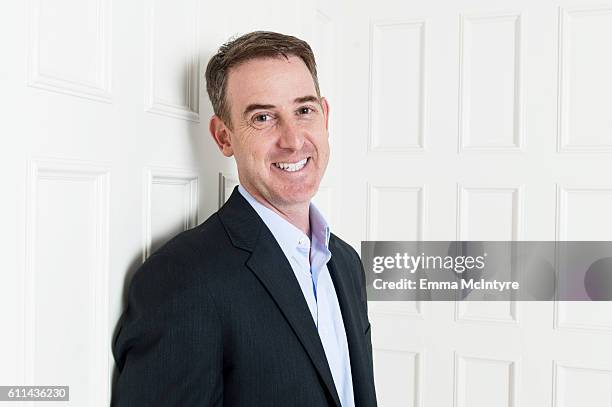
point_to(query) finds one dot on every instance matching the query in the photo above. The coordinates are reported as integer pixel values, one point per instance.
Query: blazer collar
(269, 264)
(241, 222)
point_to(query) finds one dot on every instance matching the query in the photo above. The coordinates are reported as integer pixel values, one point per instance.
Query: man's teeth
(291, 167)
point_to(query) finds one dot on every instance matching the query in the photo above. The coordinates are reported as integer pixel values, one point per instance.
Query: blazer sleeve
(364, 300)
(169, 345)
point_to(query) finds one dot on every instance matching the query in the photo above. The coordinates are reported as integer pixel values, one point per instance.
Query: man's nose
(291, 136)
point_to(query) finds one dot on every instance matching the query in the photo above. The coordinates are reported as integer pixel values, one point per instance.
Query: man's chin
(293, 198)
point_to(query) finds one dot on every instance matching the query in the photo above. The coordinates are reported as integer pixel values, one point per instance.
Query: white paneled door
(481, 120)
(466, 119)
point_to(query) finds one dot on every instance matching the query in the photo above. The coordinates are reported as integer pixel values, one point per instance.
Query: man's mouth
(292, 167)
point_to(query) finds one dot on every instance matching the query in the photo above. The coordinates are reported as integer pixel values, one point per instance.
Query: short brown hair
(256, 44)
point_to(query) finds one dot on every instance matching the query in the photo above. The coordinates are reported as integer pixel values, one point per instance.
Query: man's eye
(305, 110)
(261, 118)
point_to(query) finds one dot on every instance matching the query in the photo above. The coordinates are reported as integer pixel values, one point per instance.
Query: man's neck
(298, 215)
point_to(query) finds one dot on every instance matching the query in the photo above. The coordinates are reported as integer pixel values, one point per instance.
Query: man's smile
(292, 167)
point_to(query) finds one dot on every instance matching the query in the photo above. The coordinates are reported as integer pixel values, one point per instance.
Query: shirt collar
(319, 229)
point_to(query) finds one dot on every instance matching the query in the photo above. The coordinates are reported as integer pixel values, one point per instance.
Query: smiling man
(260, 305)
(277, 131)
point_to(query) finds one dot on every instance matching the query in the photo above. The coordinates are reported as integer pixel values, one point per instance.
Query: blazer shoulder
(343, 246)
(182, 266)
(207, 236)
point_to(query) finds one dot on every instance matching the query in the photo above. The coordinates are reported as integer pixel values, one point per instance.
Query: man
(260, 305)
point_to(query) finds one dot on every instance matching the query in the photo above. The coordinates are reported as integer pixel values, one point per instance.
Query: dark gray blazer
(216, 318)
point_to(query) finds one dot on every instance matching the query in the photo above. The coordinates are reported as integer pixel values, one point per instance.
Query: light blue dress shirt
(309, 263)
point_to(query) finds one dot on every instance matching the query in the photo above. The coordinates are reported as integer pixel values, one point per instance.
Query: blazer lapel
(271, 267)
(340, 270)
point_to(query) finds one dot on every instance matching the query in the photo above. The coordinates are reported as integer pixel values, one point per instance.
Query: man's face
(279, 134)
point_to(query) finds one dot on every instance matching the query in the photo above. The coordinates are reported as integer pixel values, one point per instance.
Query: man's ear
(221, 134)
(325, 106)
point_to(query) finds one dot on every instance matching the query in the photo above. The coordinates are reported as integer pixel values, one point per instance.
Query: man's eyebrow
(309, 98)
(257, 106)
